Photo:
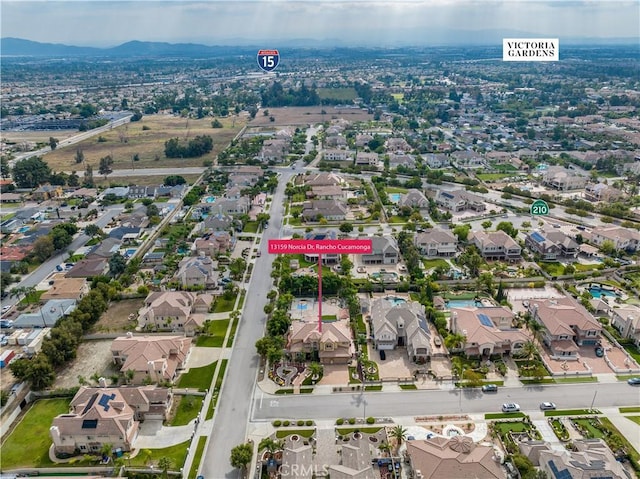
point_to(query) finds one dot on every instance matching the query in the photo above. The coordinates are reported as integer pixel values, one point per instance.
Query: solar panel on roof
(104, 401)
(563, 474)
(537, 237)
(89, 405)
(89, 424)
(484, 320)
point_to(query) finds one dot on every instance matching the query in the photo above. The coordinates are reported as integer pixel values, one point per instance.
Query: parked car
(599, 351)
(489, 388)
(547, 406)
(6, 323)
(510, 407)
(383, 355)
(634, 381)
(6, 308)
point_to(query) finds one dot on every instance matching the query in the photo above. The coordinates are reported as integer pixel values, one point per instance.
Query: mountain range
(10, 46)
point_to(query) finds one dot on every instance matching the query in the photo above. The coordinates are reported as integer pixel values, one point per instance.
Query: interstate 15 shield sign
(268, 59)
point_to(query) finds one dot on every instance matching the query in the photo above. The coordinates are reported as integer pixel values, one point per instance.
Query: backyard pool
(385, 276)
(395, 300)
(463, 303)
(210, 199)
(598, 292)
(129, 252)
(24, 229)
(394, 197)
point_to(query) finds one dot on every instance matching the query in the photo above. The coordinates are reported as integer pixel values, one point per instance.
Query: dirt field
(146, 143)
(137, 180)
(307, 115)
(93, 357)
(36, 136)
(116, 318)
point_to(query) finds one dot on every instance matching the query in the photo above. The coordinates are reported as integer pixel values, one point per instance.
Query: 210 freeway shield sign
(539, 208)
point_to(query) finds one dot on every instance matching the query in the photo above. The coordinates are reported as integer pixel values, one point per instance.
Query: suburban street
(234, 402)
(425, 402)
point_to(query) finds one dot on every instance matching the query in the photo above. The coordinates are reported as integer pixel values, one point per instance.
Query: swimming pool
(210, 199)
(394, 197)
(463, 303)
(24, 229)
(395, 300)
(599, 293)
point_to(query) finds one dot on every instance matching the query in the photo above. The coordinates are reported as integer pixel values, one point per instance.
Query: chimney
(102, 382)
(55, 435)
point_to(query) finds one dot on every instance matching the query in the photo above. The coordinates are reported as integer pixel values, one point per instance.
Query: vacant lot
(146, 180)
(36, 136)
(116, 318)
(305, 115)
(145, 138)
(94, 357)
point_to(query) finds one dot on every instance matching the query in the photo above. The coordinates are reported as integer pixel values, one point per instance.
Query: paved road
(416, 403)
(234, 405)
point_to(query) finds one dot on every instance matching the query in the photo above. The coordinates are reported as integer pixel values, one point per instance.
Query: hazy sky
(353, 22)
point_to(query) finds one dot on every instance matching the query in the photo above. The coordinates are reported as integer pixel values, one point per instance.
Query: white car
(547, 406)
(510, 407)
(6, 308)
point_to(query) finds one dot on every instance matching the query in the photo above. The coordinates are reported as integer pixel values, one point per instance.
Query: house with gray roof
(414, 199)
(384, 251)
(459, 200)
(434, 242)
(47, 315)
(401, 325)
(551, 245)
(331, 210)
(197, 271)
(496, 245)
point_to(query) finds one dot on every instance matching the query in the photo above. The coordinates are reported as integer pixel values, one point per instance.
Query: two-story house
(197, 271)
(174, 311)
(551, 245)
(332, 345)
(626, 319)
(496, 245)
(384, 251)
(434, 242)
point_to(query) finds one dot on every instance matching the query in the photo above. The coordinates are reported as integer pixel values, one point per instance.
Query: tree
(173, 180)
(40, 373)
(31, 172)
(43, 248)
(241, 455)
(237, 267)
(486, 224)
(79, 155)
(274, 355)
(346, 227)
(88, 177)
(73, 179)
(53, 143)
(164, 463)
(216, 124)
(455, 341)
(117, 264)
(315, 369)
(60, 238)
(93, 230)
(106, 451)
(462, 231)
(508, 228)
(105, 165)
(399, 434)
(262, 218)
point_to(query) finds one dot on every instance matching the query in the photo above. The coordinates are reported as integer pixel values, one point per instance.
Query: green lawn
(198, 378)
(232, 333)
(492, 176)
(503, 415)
(32, 298)
(434, 263)
(395, 189)
(593, 431)
(408, 387)
(197, 457)
(250, 227)
(635, 419)
(176, 454)
(516, 426)
(243, 294)
(216, 389)
(215, 334)
(188, 408)
(625, 410)
(552, 268)
(300, 432)
(578, 379)
(223, 305)
(28, 445)
(348, 430)
(339, 93)
(373, 388)
(571, 412)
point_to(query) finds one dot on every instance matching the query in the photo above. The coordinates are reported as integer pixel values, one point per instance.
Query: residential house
(626, 319)
(402, 159)
(384, 251)
(273, 150)
(89, 268)
(84, 193)
(589, 459)
(12, 225)
(435, 242)
(363, 139)
(488, 331)
(459, 200)
(400, 325)
(327, 258)
(355, 458)
(413, 199)
(220, 222)
(66, 288)
(467, 159)
(337, 155)
(335, 141)
(496, 245)
(11, 197)
(623, 239)
(322, 179)
(126, 234)
(213, 243)
(394, 145)
(332, 345)
(563, 179)
(175, 191)
(103, 417)
(46, 192)
(105, 249)
(326, 193)
(297, 460)
(197, 272)
(174, 311)
(117, 191)
(141, 192)
(151, 358)
(365, 158)
(331, 210)
(436, 160)
(567, 325)
(602, 192)
(47, 315)
(134, 219)
(458, 456)
(551, 245)
(233, 207)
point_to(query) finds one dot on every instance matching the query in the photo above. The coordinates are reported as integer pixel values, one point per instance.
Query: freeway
(234, 404)
(442, 402)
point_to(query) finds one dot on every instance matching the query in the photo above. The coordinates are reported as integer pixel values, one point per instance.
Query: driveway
(396, 365)
(153, 435)
(334, 375)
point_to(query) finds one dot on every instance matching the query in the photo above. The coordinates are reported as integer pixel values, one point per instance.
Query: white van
(510, 407)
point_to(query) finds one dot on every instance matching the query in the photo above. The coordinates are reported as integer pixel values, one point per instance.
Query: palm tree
(455, 341)
(385, 448)
(164, 463)
(106, 450)
(399, 433)
(315, 369)
(271, 445)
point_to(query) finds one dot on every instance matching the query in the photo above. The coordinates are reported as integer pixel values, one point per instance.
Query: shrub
(277, 423)
(300, 422)
(309, 422)
(352, 420)
(340, 422)
(371, 420)
(285, 423)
